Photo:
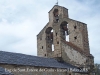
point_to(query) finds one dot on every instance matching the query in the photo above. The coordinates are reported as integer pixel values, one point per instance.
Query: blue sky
(22, 20)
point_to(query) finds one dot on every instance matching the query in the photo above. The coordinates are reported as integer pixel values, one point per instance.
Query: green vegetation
(97, 69)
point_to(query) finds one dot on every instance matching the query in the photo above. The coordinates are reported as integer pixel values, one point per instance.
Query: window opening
(75, 27)
(52, 47)
(56, 34)
(67, 38)
(45, 55)
(64, 30)
(42, 47)
(49, 34)
(57, 42)
(75, 37)
(56, 15)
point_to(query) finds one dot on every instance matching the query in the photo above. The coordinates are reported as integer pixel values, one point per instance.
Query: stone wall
(78, 35)
(44, 45)
(77, 58)
(72, 56)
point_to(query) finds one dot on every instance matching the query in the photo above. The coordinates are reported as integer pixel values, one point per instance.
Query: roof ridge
(26, 54)
(22, 59)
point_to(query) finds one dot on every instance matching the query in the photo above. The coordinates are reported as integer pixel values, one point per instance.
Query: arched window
(64, 29)
(49, 39)
(55, 12)
(56, 15)
(49, 33)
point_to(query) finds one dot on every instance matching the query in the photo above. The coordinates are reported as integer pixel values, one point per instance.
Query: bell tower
(60, 27)
(52, 43)
(55, 30)
(57, 12)
(58, 17)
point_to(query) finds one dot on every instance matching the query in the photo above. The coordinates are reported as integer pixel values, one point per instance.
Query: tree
(97, 69)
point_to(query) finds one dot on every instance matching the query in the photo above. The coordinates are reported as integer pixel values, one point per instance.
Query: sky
(22, 20)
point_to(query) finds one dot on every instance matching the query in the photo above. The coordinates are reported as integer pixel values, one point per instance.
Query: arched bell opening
(49, 39)
(49, 34)
(56, 15)
(64, 31)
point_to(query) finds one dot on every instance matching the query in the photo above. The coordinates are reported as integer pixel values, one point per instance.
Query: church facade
(65, 39)
(62, 49)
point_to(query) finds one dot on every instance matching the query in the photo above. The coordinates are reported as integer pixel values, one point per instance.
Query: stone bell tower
(52, 43)
(60, 27)
(49, 39)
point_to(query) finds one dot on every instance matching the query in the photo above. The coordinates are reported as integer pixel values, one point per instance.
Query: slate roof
(22, 59)
(3, 72)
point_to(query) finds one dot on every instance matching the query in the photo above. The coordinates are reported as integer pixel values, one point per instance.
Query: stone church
(62, 49)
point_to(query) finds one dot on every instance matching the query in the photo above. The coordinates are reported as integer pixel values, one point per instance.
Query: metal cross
(57, 2)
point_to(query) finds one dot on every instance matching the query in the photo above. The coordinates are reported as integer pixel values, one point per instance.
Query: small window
(57, 42)
(52, 47)
(75, 27)
(42, 47)
(75, 37)
(56, 34)
(45, 55)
